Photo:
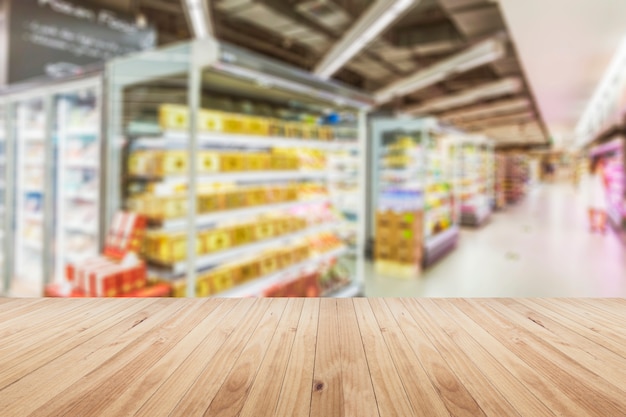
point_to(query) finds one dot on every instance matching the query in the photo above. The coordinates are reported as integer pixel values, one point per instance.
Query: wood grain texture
(313, 357)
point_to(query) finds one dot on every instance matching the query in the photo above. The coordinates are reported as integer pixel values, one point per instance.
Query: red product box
(125, 235)
(81, 271)
(158, 290)
(105, 281)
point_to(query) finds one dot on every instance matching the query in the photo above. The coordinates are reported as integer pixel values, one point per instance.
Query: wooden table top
(311, 357)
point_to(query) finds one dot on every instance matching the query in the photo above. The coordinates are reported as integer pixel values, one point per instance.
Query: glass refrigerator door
(77, 129)
(3, 173)
(30, 134)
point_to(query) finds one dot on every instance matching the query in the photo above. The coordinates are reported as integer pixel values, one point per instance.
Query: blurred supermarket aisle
(539, 248)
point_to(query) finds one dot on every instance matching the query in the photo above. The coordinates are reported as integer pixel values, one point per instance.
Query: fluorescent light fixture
(375, 19)
(494, 89)
(487, 110)
(199, 19)
(480, 54)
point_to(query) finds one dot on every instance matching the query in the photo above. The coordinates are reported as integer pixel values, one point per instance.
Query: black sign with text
(57, 37)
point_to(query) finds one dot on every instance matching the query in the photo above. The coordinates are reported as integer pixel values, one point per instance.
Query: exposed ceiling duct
(197, 13)
(482, 92)
(487, 110)
(371, 24)
(480, 54)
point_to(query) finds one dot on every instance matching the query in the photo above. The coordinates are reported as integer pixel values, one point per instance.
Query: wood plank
(296, 389)
(512, 388)
(585, 388)
(49, 345)
(233, 393)
(543, 388)
(111, 380)
(32, 391)
(594, 311)
(327, 396)
(615, 309)
(584, 327)
(466, 374)
(358, 391)
(391, 395)
(602, 361)
(41, 310)
(199, 396)
(241, 319)
(396, 330)
(264, 393)
(143, 387)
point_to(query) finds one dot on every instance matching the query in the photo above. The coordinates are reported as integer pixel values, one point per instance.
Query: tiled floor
(539, 248)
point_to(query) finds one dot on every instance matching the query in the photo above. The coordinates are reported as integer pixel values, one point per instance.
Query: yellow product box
(217, 240)
(203, 286)
(221, 280)
(233, 162)
(165, 248)
(210, 121)
(234, 123)
(300, 252)
(310, 132)
(291, 192)
(170, 207)
(258, 162)
(243, 234)
(257, 126)
(293, 130)
(256, 196)
(269, 263)
(277, 128)
(170, 162)
(173, 116)
(277, 194)
(234, 199)
(264, 229)
(284, 258)
(210, 202)
(208, 162)
(179, 288)
(141, 162)
(250, 270)
(326, 133)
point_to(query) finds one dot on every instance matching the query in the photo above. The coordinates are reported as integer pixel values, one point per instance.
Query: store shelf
(31, 162)
(34, 217)
(256, 287)
(352, 290)
(244, 176)
(209, 219)
(206, 261)
(173, 139)
(82, 164)
(441, 237)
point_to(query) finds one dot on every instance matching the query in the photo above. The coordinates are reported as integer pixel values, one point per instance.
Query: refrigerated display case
(412, 174)
(475, 179)
(613, 156)
(4, 121)
(52, 169)
(258, 164)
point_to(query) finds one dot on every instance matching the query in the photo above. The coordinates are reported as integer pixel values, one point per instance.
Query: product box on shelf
(173, 116)
(125, 235)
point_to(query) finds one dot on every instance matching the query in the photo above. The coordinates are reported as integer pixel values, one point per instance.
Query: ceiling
(301, 32)
(565, 47)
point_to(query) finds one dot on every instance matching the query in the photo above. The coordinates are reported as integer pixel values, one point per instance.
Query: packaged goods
(172, 116)
(210, 121)
(208, 162)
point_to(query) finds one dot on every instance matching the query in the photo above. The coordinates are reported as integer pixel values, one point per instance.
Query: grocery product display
(414, 213)
(53, 158)
(612, 155)
(273, 208)
(30, 193)
(475, 179)
(517, 173)
(499, 181)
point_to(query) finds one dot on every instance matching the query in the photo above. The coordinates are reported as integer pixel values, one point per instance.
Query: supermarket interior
(313, 148)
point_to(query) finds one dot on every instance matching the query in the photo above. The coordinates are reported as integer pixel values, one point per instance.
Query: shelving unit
(517, 173)
(411, 179)
(224, 109)
(612, 154)
(474, 179)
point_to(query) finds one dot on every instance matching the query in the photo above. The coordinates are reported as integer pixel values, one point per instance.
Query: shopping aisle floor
(541, 247)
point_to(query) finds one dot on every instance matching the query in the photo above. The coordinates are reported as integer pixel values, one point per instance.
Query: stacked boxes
(167, 248)
(159, 208)
(103, 277)
(176, 117)
(399, 242)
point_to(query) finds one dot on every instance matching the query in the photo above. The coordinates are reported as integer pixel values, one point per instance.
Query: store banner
(57, 37)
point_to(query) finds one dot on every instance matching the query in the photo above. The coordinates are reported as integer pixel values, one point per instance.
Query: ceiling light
(486, 91)
(375, 19)
(473, 57)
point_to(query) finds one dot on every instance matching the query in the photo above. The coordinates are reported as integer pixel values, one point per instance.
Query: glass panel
(30, 139)
(77, 182)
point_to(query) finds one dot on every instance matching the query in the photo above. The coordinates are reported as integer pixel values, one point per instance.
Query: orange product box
(125, 235)
(84, 269)
(105, 281)
(161, 289)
